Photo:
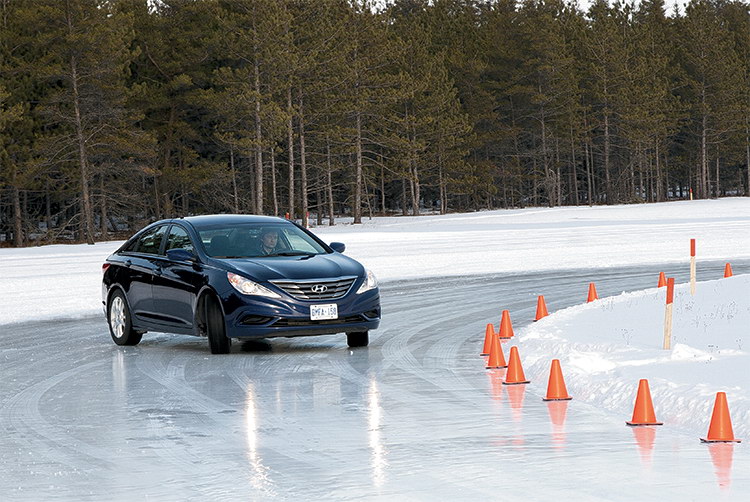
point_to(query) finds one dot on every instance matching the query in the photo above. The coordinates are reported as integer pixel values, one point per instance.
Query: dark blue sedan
(236, 276)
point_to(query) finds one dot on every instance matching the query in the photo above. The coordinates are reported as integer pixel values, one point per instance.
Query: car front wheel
(218, 341)
(118, 318)
(358, 339)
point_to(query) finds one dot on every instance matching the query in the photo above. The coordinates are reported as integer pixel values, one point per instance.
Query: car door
(177, 284)
(141, 266)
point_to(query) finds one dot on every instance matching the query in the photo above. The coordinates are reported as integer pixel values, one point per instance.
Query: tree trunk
(272, 154)
(659, 179)
(702, 173)
(404, 205)
(103, 207)
(357, 210)
(329, 182)
(18, 237)
(259, 178)
(290, 133)
(235, 195)
(573, 168)
(607, 177)
(303, 162)
(718, 186)
(87, 216)
(589, 175)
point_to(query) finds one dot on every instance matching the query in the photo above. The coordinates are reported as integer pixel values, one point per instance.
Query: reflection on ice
(259, 476)
(557, 412)
(374, 421)
(645, 436)
(721, 456)
(496, 377)
(515, 396)
(119, 379)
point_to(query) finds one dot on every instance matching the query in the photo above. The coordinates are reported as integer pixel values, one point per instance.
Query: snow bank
(606, 346)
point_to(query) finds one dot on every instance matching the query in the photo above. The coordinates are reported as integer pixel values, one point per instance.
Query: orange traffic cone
(727, 270)
(506, 327)
(541, 308)
(720, 430)
(592, 293)
(662, 280)
(489, 333)
(643, 413)
(556, 390)
(515, 375)
(497, 358)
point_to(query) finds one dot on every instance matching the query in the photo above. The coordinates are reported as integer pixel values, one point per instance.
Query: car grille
(307, 322)
(304, 290)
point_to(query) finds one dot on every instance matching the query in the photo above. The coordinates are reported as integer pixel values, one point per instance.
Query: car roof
(211, 220)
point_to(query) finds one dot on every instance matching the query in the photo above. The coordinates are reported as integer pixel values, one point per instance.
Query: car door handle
(157, 271)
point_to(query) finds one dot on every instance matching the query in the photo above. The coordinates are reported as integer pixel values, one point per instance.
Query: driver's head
(269, 237)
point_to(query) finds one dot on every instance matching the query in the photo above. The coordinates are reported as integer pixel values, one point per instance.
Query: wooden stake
(668, 315)
(692, 267)
(692, 275)
(668, 327)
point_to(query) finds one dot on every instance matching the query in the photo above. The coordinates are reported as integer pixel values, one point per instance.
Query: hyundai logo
(319, 288)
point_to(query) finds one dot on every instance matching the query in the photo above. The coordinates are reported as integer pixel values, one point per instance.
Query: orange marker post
(497, 358)
(662, 280)
(727, 270)
(643, 411)
(541, 308)
(692, 266)
(515, 374)
(506, 327)
(720, 430)
(592, 293)
(489, 334)
(556, 390)
(668, 315)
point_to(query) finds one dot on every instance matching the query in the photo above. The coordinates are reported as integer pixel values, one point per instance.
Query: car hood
(296, 267)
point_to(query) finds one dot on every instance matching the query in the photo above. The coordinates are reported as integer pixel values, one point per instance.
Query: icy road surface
(414, 416)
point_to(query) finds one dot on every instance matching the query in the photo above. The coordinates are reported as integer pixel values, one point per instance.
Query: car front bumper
(261, 317)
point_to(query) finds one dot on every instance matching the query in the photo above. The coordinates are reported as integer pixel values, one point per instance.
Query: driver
(269, 240)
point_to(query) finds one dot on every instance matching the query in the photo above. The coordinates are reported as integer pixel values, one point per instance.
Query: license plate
(324, 312)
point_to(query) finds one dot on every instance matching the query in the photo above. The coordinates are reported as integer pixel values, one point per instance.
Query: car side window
(179, 239)
(150, 242)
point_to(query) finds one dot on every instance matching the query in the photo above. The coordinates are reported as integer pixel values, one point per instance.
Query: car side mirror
(180, 255)
(339, 247)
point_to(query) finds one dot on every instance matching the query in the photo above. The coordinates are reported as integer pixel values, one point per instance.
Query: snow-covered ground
(64, 280)
(605, 347)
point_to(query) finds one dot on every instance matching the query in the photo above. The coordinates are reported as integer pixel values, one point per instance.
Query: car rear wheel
(118, 318)
(218, 341)
(358, 339)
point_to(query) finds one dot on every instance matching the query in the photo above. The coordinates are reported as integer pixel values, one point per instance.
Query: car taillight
(105, 266)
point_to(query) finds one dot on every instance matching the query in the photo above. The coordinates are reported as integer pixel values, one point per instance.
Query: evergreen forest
(116, 113)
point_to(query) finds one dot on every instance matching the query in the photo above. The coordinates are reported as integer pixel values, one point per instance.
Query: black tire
(119, 322)
(358, 339)
(216, 331)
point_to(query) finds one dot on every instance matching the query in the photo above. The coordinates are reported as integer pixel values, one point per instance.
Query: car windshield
(256, 240)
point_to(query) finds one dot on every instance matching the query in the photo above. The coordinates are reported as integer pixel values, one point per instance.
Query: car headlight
(248, 287)
(370, 282)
